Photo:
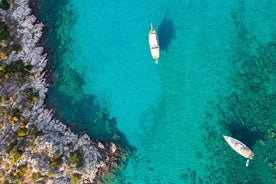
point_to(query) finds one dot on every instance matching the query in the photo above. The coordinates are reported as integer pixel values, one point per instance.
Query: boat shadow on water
(245, 134)
(166, 32)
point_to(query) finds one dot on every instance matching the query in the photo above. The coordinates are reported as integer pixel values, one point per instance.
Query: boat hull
(239, 147)
(154, 45)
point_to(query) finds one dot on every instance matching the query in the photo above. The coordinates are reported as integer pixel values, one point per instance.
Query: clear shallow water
(171, 112)
(159, 108)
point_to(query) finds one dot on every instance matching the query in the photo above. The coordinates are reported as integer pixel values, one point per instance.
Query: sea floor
(216, 75)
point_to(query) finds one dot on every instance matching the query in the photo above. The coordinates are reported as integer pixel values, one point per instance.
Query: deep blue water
(216, 74)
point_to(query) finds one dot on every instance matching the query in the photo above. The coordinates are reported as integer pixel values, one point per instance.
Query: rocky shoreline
(36, 147)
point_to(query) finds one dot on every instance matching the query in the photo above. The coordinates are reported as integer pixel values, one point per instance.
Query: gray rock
(19, 98)
(57, 136)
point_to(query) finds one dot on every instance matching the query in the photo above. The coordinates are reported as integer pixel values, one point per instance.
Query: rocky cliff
(35, 147)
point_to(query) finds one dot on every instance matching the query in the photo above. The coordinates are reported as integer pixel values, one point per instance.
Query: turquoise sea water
(216, 74)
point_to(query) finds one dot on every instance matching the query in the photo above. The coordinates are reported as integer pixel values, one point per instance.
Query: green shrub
(11, 146)
(76, 159)
(22, 132)
(18, 174)
(19, 67)
(56, 155)
(76, 178)
(17, 47)
(2, 25)
(33, 96)
(4, 31)
(3, 99)
(12, 150)
(22, 169)
(2, 74)
(56, 161)
(14, 112)
(37, 175)
(5, 4)
(35, 132)
(2, 112)
(15, 154)
(51, 173)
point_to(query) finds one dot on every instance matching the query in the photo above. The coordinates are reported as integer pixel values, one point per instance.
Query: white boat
(154, 44)
(240, 148)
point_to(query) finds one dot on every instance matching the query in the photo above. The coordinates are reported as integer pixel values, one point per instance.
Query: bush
(19, 173)
(36, 176)
(76, 177)
(51, 173)
(17, 47)
(56, 155)
(2, 74)
(19, 67)
(11, 146)
(22, 132)
(13, 151)
(33, 96)
(3, 99)
(22, 169)
(5, 5)
(56, 161)
(76, 159)
(15, 112)
(35, 132)
(4, 31)
(15, 154)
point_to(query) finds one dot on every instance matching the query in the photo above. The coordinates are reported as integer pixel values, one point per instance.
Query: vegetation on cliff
(5, 4)
(34, 146)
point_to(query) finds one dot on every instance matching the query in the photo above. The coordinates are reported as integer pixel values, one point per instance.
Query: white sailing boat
(240, 148)
(154, 44)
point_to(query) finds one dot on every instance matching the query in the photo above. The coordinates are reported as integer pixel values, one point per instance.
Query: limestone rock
(55, 136)
(113, 148)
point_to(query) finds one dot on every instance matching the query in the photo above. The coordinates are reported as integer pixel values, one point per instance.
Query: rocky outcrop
(34, 145)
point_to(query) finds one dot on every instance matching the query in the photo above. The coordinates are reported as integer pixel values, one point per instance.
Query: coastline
(34, 144)
(246, 113)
